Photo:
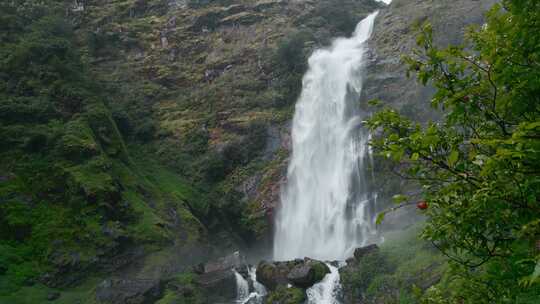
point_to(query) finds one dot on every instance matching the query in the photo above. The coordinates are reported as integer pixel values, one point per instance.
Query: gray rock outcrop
(394, 36)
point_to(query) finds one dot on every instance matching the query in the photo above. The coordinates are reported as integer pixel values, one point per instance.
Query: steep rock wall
(394, 36)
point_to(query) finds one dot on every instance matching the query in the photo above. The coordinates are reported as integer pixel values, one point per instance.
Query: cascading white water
(324, 204)
(242, 288)
(259, 288)
(243, 296)
(326, 291)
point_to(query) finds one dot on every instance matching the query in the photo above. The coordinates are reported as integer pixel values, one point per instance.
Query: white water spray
(327, 290)
(243, 294)
(259, 288)
(325, 204)
(242, 288)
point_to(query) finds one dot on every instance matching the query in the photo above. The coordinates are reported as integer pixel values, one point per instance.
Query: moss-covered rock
(300, 273)
(307, 274)
(285, 295)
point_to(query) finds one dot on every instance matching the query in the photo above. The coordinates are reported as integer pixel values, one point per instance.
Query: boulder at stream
(299, 273)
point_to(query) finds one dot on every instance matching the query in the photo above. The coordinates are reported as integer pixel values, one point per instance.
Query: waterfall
(325, 211)
(326, 291)
(259, 288)
(243, 295)
(242, 288)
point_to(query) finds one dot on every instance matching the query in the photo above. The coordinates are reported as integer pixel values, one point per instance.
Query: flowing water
(327, 291)
(259, 288)
(243, 294)
(242, 288)
(325, 210)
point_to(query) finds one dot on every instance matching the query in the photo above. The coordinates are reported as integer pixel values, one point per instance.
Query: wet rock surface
(218, 278)
(300, 273)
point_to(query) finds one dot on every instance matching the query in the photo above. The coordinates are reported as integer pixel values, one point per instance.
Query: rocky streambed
(231, 279)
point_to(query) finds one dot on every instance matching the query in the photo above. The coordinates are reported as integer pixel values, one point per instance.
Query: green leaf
(399, 198)
(380, 217)
(453, 158)
(415, 156)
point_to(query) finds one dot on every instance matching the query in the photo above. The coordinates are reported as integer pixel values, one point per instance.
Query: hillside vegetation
(130, 127)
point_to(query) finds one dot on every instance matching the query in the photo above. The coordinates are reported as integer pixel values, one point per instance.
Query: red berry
(422, 205)
(466, 98)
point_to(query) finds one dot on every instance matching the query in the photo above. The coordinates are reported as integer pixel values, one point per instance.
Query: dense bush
(479, 166)
(291, 63)
(290, 55)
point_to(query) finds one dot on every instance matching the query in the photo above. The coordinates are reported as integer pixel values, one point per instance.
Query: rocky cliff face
(211, 85)
(394, 36)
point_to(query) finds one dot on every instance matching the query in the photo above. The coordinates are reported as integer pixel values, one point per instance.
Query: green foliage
(284, 295)
(182, 289)
(291, 63)
(337, 15)
(403, 265)
(70, 195)
(479, 166)
(52, 166)
(290, 53)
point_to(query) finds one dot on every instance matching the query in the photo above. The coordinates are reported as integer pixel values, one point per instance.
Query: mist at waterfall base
(325, 206)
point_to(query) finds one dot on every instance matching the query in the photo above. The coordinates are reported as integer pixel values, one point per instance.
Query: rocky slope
(210, 86)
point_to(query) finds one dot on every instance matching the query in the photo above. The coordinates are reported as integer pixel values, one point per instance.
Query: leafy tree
(479, 167)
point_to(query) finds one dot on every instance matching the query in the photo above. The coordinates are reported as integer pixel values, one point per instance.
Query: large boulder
(307, 274)
(231, 261)
(217, 277)
(219, 285)
(300, 273)
(273, 274)
(359, 253)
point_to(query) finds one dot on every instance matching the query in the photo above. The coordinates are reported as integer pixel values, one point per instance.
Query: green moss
(181, 289)
(105, 131)
(171, 297)
(78, 140)
(92, 177)
(403, 264)
(321, 270)
(284, 295)
(148, 227)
